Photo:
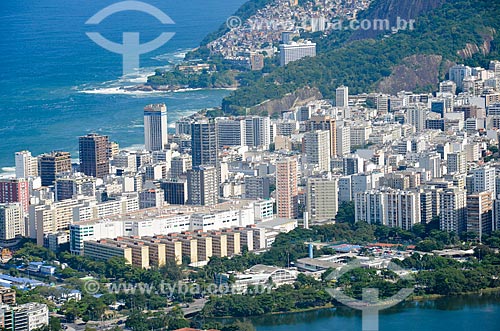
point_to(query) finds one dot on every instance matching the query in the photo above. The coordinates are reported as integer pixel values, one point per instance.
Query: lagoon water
(56, 84)
(464, 313)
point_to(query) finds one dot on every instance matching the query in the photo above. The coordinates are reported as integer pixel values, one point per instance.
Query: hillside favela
(250, 165)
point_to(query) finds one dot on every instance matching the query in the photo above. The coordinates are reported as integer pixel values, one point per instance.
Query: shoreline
(130, 90)
(413, 298)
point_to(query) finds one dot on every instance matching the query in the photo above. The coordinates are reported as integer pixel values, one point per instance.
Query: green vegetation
(176, 79)
(305, 293)
(438, 275)
(139, 321)
(345, 213)
(362, 64)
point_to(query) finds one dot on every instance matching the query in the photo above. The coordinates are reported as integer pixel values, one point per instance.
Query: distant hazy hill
(445, 33)
(247, 10)
(391, 10)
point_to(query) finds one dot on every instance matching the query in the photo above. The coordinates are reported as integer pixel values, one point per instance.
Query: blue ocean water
(56, 84)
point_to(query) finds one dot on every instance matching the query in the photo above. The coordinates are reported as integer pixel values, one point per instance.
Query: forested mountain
(445, 33)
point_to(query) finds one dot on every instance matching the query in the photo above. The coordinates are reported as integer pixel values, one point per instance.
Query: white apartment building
(317, 149)
(11, 221)
(296, 51)
(55, 217)
(231, 132)
(25, 317)
(453, 210)
(360, 134)
(322, 198)
(343, 137)
(484, 179)
(394, 208)
(457, 162)
(263, 210)
(26, 165)
(258, 132)
(431, 162)
(162, 222)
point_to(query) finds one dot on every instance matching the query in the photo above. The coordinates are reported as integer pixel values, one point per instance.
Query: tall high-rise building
(296, 51)
(203, 186)
(394, 208)
(155, 127)
(11, 221)
(287, 188)
(257, 187)
(431, 162)
(480, 213)
(15, 191)
(457, 74)
(317, 149)
(204, 143)
(426, 203)
(342, 96)
(322, 198)
(343, 140)
(94, 159)
(352, 164)
(69, 187)
(496, 215)
(26, 165)
(495, 67)
(453, 210)
(176, 191)
(416, 116)
(183, 126)
(258, 131)
(151, 198)
(53, 164)
(484, 179)
(325, 123)
(286, 37)
(457, 162)
(383, 102)
(180, 165)
(231, 132)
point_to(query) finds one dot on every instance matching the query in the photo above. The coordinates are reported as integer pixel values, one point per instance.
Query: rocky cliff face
(470, 49)
(416, 71)
(289, 101)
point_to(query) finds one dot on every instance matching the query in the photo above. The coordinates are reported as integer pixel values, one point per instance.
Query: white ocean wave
(7, 172)
(122, 91)
(176, 56)
(136, 147)
(121, 85)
